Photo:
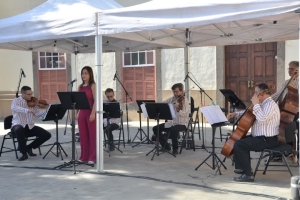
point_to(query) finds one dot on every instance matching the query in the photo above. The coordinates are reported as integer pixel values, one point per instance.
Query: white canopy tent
(210, 23)
(160, 24)
(201, 23)
(61, 26)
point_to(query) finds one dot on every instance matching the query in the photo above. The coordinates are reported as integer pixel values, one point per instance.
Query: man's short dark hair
(264, 87)
(25, 88)
(295, 63)
(109, 90)
(177, 85)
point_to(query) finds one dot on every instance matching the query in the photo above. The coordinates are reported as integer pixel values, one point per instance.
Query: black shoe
(167, 147)
(29, 151)
(24, 157)
(175, 151)
(244, 178)
(111, 147)
(239, 171)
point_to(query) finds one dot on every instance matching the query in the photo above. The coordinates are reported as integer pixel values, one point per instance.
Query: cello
(289, 107)
(244, 123)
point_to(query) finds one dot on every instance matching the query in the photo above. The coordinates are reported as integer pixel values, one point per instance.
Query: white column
(99, 100)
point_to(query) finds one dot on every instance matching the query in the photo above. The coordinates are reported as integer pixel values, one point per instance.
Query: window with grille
(52, 60)
(138, 58)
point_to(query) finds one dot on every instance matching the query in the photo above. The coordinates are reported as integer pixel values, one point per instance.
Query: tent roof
(69, 25)
(60, 25)
(214, 22)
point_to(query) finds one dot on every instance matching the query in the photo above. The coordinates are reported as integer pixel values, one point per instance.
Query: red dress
(87, 129)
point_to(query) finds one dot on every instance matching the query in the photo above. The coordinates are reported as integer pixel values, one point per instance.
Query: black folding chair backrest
(7, 122)
(192, 105)
(290, 132)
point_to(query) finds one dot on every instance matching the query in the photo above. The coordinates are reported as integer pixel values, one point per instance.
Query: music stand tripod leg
(57, 144)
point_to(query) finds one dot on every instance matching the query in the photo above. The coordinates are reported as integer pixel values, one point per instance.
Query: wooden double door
(248, 65)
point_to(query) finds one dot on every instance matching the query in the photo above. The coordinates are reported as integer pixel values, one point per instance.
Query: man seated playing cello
(263, 135)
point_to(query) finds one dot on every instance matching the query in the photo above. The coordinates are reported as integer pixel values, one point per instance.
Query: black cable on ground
(158, 180)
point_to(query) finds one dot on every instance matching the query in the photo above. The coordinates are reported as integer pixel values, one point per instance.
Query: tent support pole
(99, 100)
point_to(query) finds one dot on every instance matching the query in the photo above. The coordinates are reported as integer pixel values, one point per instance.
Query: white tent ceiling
(62, 26)
(211, 23)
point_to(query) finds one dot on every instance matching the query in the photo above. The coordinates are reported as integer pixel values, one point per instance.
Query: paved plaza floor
(132, 174)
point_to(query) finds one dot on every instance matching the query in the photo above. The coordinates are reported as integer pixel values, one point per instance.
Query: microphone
(186, 76)
(115, 76)
(22, 72)
(73, 81)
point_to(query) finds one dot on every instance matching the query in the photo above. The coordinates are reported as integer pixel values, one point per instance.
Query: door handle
(252, 83)
(249, 84)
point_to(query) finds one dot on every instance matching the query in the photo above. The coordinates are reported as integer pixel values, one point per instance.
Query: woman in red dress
(87, 118)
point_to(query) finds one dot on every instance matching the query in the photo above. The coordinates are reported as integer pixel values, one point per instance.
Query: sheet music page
(172, 110)
(44, 117)
(213, 114)
(144, 110)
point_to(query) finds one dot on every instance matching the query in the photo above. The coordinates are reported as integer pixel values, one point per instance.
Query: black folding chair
(11, 136)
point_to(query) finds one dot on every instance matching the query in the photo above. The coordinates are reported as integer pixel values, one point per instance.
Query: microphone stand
(68, 118)
(201, 98)
(126, 104)
(20, 78)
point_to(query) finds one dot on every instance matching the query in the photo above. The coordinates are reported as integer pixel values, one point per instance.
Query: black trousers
(243, 147)
(109, 129)
(174, 132)
(23, 133)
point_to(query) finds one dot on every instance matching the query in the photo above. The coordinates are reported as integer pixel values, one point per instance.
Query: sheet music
(213, 114)
(172, 110)
(144, 110)
(44, 117)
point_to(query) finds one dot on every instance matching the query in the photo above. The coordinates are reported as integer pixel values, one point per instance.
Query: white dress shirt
(112, 120)
(294, 83)
(21, 116)
(182, 117)
(267, 118)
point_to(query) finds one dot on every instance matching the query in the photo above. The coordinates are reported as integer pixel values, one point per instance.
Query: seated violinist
(23, 123)
(181, 106)
(263, 135)
(113, 123)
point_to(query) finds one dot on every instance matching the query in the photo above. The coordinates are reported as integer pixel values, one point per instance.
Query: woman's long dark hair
(90, 71)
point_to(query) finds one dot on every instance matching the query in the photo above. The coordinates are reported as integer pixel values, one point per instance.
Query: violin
(35, 102)
(180, 100)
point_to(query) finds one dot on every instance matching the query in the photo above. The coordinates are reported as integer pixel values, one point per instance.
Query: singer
(86, 118)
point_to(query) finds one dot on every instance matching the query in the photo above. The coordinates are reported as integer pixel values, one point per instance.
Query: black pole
(68, 111)
(126, 106)
(201, 99)
(20, 78)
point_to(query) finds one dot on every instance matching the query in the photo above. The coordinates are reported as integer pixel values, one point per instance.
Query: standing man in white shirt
(23, 123)
(263, 134)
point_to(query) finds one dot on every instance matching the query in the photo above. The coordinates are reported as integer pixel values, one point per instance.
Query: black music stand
(215, 158)
(233, 99)
(55, 112)
(72, 101)
(140, 130)
(111, 110)
(235, 103)
(158, 111)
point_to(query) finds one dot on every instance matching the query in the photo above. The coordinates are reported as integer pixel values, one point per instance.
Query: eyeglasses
(290, 68)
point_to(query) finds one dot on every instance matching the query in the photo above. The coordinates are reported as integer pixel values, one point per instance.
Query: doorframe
(220, 69)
